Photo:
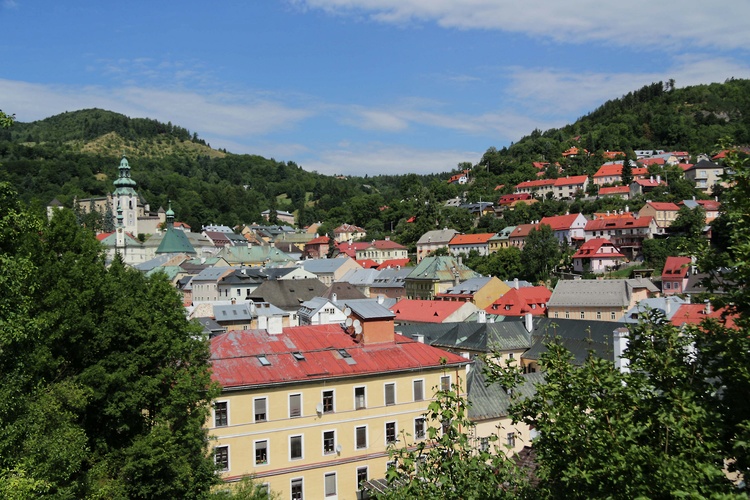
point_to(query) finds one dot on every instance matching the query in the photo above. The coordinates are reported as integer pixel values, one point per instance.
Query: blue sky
(356, 87)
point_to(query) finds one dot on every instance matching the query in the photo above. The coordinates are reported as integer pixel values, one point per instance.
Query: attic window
(264, 360)
(344, 354)
(298, 356)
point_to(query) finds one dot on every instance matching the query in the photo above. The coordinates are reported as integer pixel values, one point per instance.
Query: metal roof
(492, 401)
(234, 356)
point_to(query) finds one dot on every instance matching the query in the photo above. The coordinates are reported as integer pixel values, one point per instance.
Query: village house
(501, 239)
(465, 243)
(600, 300)
(625, 230)
(706, 175)
(645, 186)
(330, 270)
(382, 250)
(435, 275)
(481, 291)
(664, 214)
(674, 276)
(597, 255)
(348, 232)
(568, 228)
(433, 240)
(310, 411)
(519, 301)
(410, 311)
(622, 192)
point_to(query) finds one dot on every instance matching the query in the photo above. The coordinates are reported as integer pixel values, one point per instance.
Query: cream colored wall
(242, 432)
(501, 427)
(589, 313)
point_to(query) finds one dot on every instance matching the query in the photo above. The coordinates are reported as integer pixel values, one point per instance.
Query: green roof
(175, 241)
(441, 269)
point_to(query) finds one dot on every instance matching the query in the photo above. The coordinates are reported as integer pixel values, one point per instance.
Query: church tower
(125, 198)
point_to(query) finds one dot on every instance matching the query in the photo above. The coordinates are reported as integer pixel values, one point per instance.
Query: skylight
(298, 356)
(264, 360)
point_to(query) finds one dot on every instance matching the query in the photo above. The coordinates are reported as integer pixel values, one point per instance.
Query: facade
(705, 174)
(479, 291)
(597, 300)
(382, 250)
(348, 232)
(432, 240)
(435, 275)
(664, 214)
(568, 228)
(597, 255)
(310, 412)
(465, 243)
(674, 276)
(626, 231)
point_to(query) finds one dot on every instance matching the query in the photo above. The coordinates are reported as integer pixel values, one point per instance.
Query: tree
(627, 170)
(447, 463)
(541, 253)
(104, 385)
(644, 432)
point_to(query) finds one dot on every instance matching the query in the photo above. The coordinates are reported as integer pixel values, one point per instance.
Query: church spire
(124, 184)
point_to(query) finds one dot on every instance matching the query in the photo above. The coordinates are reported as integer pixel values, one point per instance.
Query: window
(390, 432)
(667, 285)
(261, 452)
(612, 315)
(260, 409)
(567, 314)
(221, 414)
(510, 355)
(598, 315)
(511, 439)
(445, 426)
(583, 315)
(327, 401)
(330, 484)
(295, 447)
(445, 383)
(484, 444)
(418, 390)
(221, 457)
(359, 398)
(360, 437)
(390, 394)
(295, 405)
(361, 476)
(297, 489)
(329, 442)
(419, 428)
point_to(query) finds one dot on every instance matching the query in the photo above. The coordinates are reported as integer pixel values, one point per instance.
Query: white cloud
(232, 115)
(381, 159)
(642, 23)
(559, 93)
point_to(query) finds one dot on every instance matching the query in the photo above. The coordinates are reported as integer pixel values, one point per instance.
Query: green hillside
(75, 154)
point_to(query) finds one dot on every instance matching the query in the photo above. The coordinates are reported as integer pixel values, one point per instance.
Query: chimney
(516, 284)
(334, 297)
(528, 322)
(481, 316)
(491, 319)
(708, 307)
(658, 179)
(380, 299)
(419, 338)
(274, 325)
(668, 307)
(619, 344)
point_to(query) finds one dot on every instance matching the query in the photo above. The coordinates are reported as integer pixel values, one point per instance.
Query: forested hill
(77, 153)
(657, 116)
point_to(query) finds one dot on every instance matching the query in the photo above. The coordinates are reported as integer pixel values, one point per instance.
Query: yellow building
(311, 411)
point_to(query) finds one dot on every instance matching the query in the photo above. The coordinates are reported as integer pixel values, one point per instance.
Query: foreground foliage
(104, 385)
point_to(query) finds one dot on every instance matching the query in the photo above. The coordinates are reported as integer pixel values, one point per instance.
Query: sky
(360, 87)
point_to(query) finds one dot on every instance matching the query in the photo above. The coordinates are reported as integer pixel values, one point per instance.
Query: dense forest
(76, 154)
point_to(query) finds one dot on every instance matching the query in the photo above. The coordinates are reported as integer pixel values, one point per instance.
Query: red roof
(663, 205)
(559, 222)
(522, 230)
(507, 199)
(693, 314)
(536, 184)
(320, 240)
(182, 225)
(519, 301)
(234, 356)
(568, 181)
(348, 228)
(424, 311)
(367, 263)
(593, 246)
(614, 190)
(393, 263)
(540, 165)
(676, 267)
(386, 245)
(652, 161)
(350, 249)
(709, 205)
(620, 222)
(649, 182)
(612, 154)
(471, 239)
(102, 236)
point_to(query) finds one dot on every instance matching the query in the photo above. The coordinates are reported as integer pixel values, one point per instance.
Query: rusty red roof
(471, 239)
(519, 301)
(568, 181)
(614, 190)
(694, 314)
(559, 222)
(424, 311)
(618, 223)
(663, 205)
(676, 267)
(592, 247)
(325, 352)
(393, 263)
